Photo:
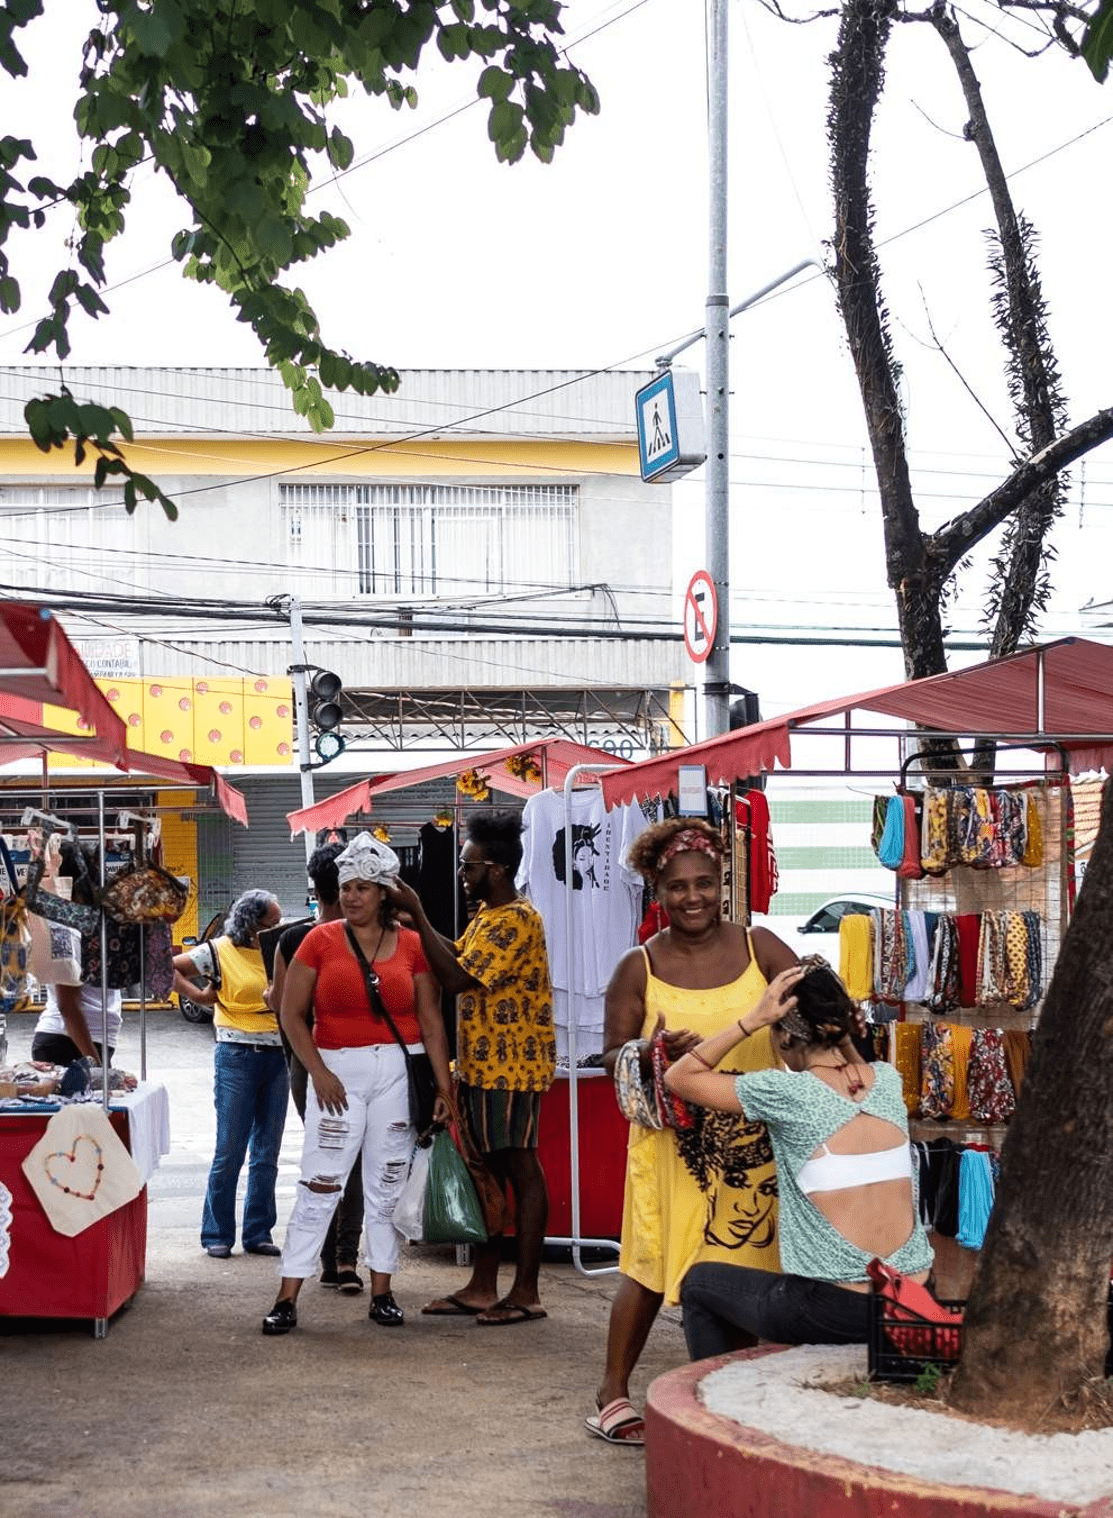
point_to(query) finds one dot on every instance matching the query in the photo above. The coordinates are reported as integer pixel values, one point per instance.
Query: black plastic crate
(941, 1343)
(901, 1347)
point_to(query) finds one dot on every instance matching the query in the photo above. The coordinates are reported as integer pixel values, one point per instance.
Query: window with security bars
(53, 534)
(430, 540)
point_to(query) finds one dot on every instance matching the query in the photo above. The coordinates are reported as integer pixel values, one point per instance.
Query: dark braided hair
(824, 1014)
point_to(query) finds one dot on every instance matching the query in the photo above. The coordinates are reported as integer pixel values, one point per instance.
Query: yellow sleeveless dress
(710, 1192)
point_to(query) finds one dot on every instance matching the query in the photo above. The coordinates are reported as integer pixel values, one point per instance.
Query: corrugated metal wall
(265, 858)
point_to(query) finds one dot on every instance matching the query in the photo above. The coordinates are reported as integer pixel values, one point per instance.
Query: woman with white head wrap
(357, 1105)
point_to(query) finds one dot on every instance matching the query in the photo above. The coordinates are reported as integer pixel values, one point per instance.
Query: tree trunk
(857, 73)
(1036, 1320)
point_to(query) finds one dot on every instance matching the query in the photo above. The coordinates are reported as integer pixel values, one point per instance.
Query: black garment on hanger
(442, 896)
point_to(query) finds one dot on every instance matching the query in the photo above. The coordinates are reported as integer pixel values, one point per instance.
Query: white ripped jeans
(376, 1125)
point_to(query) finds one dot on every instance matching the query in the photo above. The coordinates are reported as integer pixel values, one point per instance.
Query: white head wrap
(365, 858)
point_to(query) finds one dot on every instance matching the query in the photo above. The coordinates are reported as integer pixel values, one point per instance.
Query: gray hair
(246, 917)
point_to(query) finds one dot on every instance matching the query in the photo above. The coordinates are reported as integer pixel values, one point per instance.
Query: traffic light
(325, 711)
(746, 710)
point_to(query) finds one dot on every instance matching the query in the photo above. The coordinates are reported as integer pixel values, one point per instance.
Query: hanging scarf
(910, 867)
(891, 849)
(975, 1197)
(856, 956)
(968, 926)
(937, 1070)
(961, 1039)
(877, 825)
(1034, 954)
(943, 993)
(990, 1092)
(1033, 844)
(919, 982)
(906, 1058)
(1018, 1051)
(934, 846)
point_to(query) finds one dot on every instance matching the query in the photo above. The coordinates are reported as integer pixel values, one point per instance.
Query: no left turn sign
(701, 616)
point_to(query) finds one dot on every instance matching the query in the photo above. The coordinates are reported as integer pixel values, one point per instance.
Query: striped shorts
(500, 1119)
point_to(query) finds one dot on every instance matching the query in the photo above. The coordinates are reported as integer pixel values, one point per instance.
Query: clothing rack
(576, 1241)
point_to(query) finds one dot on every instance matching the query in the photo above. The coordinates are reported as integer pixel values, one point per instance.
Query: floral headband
(687, 841)
(792, 1022)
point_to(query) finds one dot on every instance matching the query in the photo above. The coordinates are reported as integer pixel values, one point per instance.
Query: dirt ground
(186, 1409)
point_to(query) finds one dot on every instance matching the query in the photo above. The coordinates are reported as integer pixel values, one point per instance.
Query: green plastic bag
(452, 1211)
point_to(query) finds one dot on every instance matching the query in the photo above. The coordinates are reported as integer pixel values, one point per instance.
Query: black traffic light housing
(325, 711)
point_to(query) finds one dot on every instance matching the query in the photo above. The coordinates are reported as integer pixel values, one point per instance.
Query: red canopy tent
(555, 757)
(38, 664)
(1059, 694)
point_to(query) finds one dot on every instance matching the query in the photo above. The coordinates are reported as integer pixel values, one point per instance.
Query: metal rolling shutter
(265, 857)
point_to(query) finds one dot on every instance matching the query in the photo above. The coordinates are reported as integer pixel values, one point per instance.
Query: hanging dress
(708, 1192)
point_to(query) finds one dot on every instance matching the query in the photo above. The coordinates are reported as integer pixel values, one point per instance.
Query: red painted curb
(701, 1465)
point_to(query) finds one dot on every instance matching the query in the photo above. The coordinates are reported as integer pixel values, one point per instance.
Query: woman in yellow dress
(708, 1192)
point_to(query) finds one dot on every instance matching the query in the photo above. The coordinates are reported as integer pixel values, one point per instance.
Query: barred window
(430, 540)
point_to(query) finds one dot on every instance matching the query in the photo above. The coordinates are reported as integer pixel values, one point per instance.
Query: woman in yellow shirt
(251, 1087)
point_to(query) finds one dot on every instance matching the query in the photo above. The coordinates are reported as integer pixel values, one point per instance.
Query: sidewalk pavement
(185, 1410)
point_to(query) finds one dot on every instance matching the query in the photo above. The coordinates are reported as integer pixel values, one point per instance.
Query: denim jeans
(251, 1092)
(729, 1306)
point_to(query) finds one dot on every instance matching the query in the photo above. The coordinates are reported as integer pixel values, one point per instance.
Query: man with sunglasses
(505, 1053)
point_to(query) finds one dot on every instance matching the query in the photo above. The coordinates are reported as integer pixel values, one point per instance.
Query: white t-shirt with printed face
(606, 893)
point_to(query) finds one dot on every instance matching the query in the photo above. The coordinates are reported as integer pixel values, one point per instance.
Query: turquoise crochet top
(802, 1112)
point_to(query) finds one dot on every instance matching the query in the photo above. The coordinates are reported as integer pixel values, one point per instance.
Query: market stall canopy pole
(1058, 693)
(560, 755)
(39, 663)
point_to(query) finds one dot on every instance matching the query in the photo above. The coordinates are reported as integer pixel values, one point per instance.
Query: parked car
(819, 933)
(195, 1011)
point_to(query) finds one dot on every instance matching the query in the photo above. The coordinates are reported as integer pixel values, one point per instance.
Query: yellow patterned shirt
(504, 1025)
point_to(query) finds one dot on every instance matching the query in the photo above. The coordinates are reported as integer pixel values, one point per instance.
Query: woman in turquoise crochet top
(840, 1137)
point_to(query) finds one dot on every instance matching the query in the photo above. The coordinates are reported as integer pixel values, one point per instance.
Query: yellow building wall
(329, 456)
(179, 856)
(227, 723)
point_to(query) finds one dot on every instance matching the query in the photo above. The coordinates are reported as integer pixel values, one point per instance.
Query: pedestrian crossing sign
(670, 425)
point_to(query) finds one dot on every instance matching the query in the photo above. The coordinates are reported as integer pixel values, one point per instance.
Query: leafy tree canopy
(230, 99)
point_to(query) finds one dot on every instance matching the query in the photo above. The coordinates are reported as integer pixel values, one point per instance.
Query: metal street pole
(301, 713)
(716, 689)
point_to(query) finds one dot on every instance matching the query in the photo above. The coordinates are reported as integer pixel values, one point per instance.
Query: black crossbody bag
(421, 1083)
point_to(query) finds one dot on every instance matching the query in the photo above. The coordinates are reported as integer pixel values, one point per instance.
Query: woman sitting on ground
(357, 1106)
(840, 1137)
(709, 1193)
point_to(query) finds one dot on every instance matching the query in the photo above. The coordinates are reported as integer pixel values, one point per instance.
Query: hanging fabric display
(80, 1169)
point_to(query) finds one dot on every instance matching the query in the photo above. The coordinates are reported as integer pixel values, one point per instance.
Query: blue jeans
(251, 1091)
(728, 1307)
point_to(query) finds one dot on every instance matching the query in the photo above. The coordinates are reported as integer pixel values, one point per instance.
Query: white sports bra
(837, 1172)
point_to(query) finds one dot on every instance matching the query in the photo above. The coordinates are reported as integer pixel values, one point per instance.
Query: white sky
(600, 260)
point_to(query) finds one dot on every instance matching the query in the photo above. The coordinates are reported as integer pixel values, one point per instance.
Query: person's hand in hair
(776, 1000)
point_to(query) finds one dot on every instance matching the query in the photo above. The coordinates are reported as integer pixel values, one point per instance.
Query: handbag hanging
(421, 1083)
(71, 914)
(144, 892)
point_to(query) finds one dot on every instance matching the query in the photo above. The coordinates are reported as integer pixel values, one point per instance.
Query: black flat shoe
(267, 1249)
(384, 1311)
(349, 1282)
(219, 1251)
(282, 1317)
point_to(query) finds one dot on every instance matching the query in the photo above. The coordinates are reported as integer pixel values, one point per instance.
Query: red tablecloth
(50, 1276)
(603, 1137)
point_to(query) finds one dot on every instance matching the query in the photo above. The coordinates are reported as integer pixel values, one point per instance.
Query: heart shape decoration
(77, 1171)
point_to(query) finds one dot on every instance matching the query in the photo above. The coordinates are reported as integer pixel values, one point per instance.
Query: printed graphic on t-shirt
(585, 855)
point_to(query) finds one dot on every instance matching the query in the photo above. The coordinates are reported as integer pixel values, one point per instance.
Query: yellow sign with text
(218, 722)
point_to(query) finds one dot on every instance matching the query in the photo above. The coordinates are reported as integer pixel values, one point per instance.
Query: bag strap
(371, 981)
(5, 855)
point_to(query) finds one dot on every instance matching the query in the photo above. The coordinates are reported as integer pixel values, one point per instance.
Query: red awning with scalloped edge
(1057, 694)
(39, 664)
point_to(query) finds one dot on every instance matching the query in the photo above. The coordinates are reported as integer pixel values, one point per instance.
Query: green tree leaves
(53, 420)
(230, 100)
